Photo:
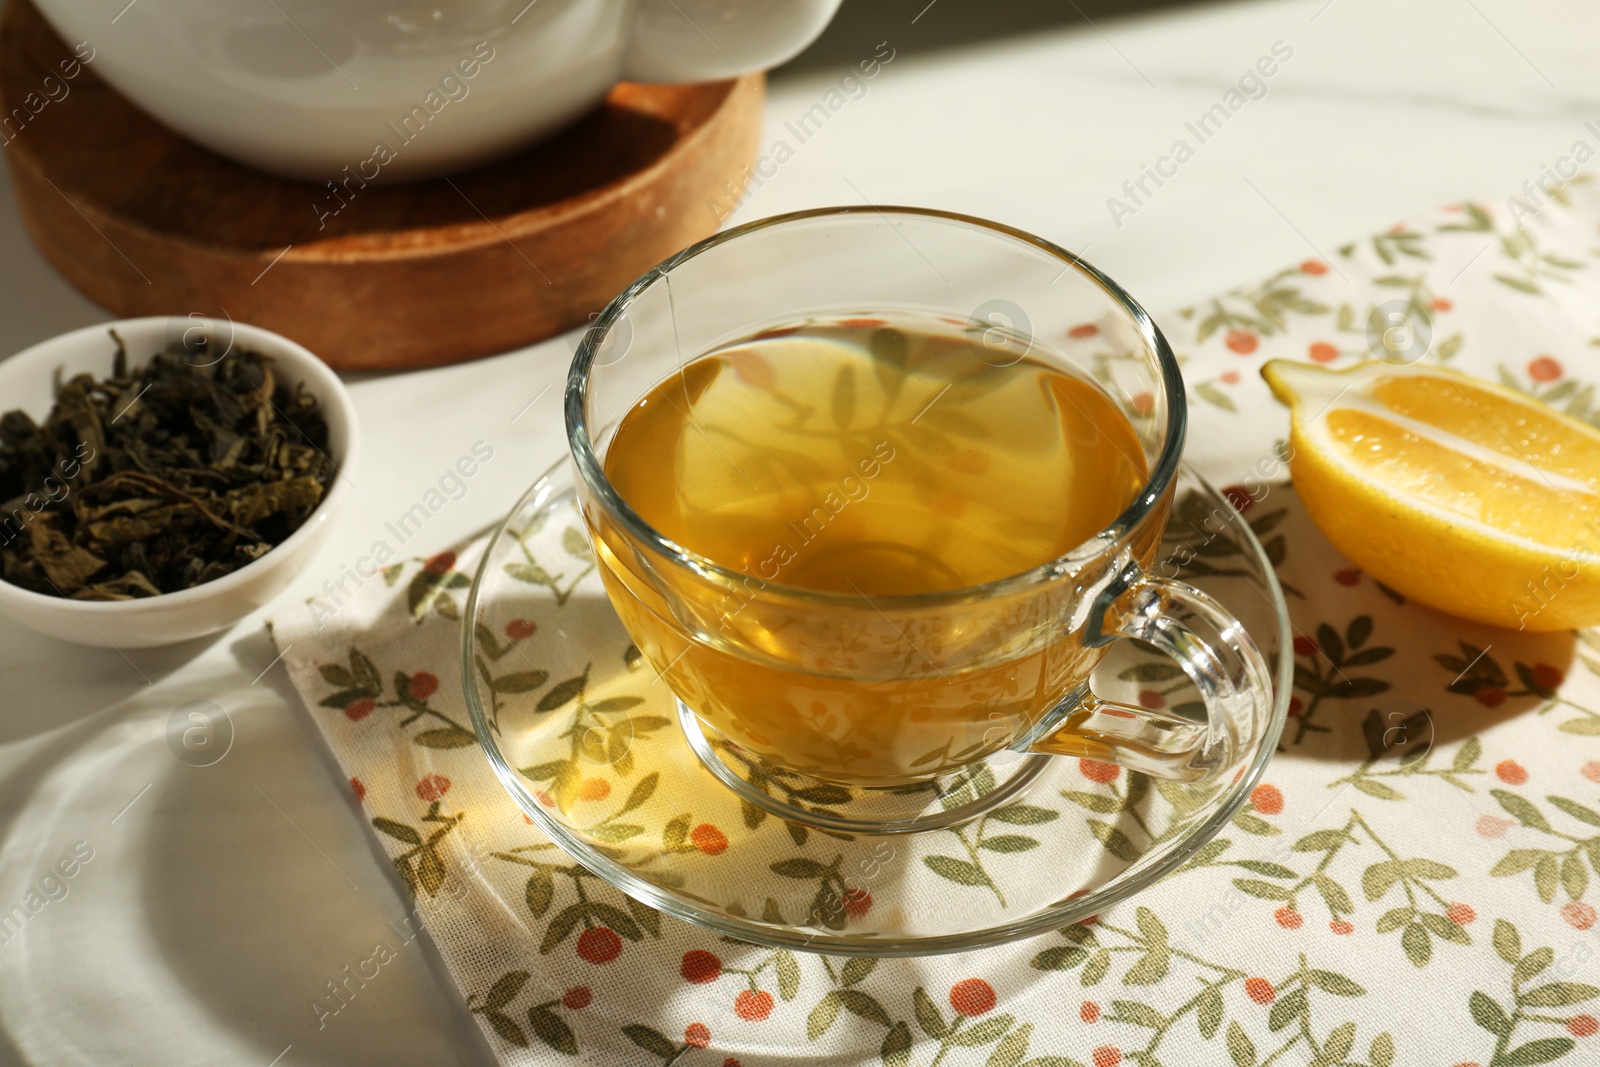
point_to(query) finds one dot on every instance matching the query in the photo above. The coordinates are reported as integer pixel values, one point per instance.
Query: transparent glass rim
(1063, 913)
(1144, 505)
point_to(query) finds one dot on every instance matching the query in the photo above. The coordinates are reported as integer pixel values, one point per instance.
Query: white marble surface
(220, 902)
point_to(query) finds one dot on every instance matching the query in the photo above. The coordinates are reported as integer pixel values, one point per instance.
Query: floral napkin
(1415, 882)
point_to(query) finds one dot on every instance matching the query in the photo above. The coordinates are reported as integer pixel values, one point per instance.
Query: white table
(221, 900)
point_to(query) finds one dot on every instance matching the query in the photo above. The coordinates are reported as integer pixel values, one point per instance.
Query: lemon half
(1465, 495)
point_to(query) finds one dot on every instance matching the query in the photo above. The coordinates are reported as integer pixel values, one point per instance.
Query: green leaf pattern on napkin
(1415, 882)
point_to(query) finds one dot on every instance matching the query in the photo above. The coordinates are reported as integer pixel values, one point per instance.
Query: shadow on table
(1425, 708)
(917, 27)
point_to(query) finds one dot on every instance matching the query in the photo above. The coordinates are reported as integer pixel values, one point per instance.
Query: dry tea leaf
(159, 479)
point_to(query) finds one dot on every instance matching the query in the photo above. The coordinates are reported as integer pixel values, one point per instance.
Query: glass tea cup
(888, 694)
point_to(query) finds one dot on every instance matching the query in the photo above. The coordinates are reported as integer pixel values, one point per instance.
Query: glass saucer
(598, 760)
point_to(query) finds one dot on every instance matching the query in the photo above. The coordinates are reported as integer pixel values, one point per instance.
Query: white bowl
(28, 381)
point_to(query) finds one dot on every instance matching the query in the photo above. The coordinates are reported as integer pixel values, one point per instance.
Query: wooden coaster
(145, 222)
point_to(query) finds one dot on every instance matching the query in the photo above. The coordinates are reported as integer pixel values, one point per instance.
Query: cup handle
(712, 40)
(1212, 648)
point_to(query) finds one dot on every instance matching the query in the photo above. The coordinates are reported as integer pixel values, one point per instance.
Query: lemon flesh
(1462, 494)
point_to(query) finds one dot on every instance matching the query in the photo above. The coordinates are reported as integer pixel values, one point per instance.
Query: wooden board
(145, 222)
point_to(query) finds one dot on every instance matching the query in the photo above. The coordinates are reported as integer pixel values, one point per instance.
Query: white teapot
(306, 88)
